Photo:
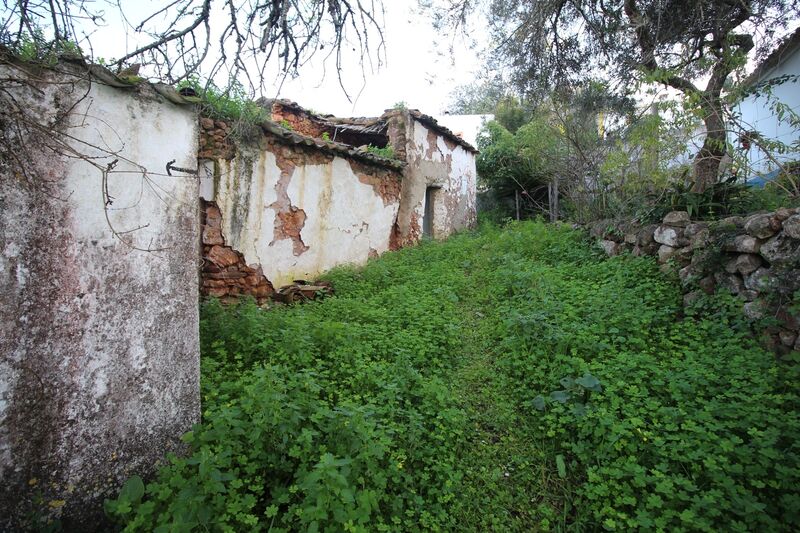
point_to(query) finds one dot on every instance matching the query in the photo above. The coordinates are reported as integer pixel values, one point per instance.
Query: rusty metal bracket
(179, 169)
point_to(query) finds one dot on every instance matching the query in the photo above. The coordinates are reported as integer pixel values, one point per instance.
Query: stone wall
(215, 140)
(99, 342)
(756, 258)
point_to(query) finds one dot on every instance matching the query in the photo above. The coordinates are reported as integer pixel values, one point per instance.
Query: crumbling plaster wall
(99, 347)
(432, 161)
(298, 212)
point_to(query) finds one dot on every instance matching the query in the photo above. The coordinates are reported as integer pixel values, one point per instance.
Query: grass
(509, 379)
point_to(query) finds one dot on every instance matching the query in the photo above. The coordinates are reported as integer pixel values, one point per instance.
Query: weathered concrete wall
(297, 211)
(433, 160)
(99, 368)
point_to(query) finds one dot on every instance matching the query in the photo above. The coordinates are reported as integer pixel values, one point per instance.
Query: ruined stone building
(105, 249)
(303, 194)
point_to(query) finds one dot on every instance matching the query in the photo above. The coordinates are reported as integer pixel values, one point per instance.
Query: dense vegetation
(507, 380)
(607, 167)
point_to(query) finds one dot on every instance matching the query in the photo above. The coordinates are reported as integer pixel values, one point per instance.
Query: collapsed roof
(368, 126)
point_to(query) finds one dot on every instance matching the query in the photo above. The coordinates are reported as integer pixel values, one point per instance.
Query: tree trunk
(554, 209)
(708, 159)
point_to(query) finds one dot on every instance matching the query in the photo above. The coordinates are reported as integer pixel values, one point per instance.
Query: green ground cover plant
(508, 379)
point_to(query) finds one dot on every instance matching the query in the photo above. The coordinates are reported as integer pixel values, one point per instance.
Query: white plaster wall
(346, 220)
(100, 341)
(431, 162)
(756, 114)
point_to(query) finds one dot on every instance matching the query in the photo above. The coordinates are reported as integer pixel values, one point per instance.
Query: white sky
(418, 71)
(422, 65)
(419, 68)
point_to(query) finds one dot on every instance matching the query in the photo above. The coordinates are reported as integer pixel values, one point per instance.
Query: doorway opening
(427, 218)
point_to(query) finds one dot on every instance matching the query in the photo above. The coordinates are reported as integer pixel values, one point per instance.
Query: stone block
(665, 252)
(611, 248)
(213, 216)
(761, 280)
(693, 229)
(732, 282)
(744, 264)
(670, 236)
(689, 274)
(735, 221)
(679, 219)
(708, 284)
(781, 250)
(788, 338)
(747, 295)
(229, 275)
(755, 310)
(222, 256)
(217, 292)
(785, 212)
(212, 236)
(759, 226)
(700, 239)
(691, 297)
(743, 244)
(684, 255)
(791, 227)
(644, 236)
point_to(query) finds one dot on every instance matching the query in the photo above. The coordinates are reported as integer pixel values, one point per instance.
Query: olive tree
(692, 46)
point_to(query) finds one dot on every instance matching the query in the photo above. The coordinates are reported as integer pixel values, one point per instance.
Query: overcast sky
(421, 68)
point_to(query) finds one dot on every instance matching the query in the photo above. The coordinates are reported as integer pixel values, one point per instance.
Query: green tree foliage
(511, 113)
(561, 142)
(677, 43)
(477, 98)
(520, 163)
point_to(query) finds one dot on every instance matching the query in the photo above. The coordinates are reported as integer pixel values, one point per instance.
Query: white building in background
(758, 115)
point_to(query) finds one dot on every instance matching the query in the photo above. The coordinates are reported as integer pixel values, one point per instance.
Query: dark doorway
(427, 218)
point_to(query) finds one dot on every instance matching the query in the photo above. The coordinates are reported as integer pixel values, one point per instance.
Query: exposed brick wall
(225, 273)
(299, 120)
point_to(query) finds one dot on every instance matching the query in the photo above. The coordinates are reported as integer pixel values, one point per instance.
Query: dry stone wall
(756, 258)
